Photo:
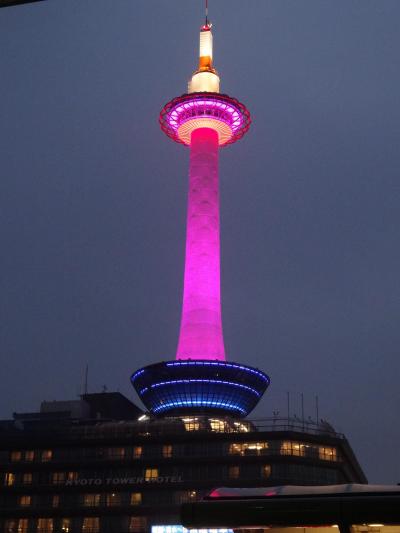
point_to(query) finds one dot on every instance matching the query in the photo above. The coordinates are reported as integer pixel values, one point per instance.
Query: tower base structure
(200, 386)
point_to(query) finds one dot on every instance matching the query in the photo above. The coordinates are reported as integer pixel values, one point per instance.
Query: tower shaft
(201, 334)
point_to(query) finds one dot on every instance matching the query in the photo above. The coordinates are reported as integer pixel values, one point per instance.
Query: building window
(167, 450)
(91, 500)
(266, 471)
(91, 524)
(9, 479)
(248, 448)
(191, 424)
(58, 478)
(10, 526)
(29, 455)
(137, 523)
(44, 525)
(56, 500)
(136, 498)
(293, 448)
(25, 501)
(137, 452)
(23, 525)
(46, 455)
(116, 453)
(16, 456)
(217, 425)
(65, 525)
(327, 453)
(233, 472)
(113, 499)
(27, 478)
(72, 476)
(192, 494)
(16, 526)
(150, 474)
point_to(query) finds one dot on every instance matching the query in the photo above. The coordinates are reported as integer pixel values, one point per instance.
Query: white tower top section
(205, 79)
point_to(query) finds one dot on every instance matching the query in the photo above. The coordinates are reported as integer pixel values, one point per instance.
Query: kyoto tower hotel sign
(200, 379)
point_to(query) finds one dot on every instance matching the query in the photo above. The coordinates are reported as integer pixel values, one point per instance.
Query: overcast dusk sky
(93, 202)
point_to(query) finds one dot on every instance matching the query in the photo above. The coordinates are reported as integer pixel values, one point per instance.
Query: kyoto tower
(200, 379)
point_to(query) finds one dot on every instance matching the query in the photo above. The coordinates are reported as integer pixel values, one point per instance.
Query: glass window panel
(136, 498)
(27, 478)
(44, 525)
(25, 501)
(16, 456)
(137, 452)
(91, 524)
(9, 479)
(91, 500)
(150, 474)
(65, 525)
(167, 450)
(46, 455)
(29, 455)
(113, 499)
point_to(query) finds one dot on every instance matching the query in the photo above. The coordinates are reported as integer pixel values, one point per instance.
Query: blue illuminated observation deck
(182, 387)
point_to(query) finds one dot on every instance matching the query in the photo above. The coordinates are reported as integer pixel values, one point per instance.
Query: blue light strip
(193, 403)
(216, 363)
(220, 381)
(136, 374)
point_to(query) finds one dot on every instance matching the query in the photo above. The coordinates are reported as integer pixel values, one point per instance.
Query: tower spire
(206, 13)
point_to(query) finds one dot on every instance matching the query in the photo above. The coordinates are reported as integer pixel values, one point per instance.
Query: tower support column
(201, 334)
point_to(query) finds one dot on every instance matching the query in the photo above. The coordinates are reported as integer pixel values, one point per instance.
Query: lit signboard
(181, 529)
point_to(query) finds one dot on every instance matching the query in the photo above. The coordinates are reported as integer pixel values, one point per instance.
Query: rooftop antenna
(206, 13)
(86, 379)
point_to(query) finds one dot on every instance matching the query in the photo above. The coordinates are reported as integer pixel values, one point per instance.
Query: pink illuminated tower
(200, 379)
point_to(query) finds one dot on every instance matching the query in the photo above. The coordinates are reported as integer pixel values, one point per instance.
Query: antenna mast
(206, 13)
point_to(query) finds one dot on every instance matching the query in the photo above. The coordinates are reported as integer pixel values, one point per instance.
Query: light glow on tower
(200, 380)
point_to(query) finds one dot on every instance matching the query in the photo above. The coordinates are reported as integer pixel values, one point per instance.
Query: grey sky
(93, 202)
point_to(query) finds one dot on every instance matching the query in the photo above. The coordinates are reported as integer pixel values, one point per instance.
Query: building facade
(81, 471)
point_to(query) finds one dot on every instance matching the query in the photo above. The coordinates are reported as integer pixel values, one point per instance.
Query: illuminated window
(265, 471)
(136, 498)
(293, 448)
(91, 524)
(192, 494)
(327, 453)
(191, 424)
(137, 452)
(58, 478)
(137, 523)
(91, 500)
(46, 455)
(25, 501)
(23, 525)
(150, 474)
(16, 456)
(56, 500)
(65, 525)
(113, 499)
(298, 449)
(16, 526)
(242, 427)
(44, 525)
(72, 476)
(116, 453)
(10, 526)
(27, 478)
(29, 455)
(218, 425)
(9, 479)
(233, 472)
(248, 448)
(167, 450)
